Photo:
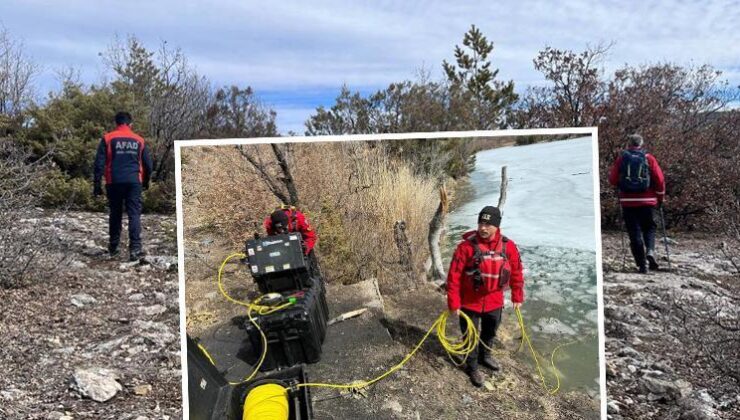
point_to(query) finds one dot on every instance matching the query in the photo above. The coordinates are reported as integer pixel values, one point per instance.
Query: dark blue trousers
(128, 196)
(641, 226)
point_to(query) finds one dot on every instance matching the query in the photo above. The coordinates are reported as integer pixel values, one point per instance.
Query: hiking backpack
(634, 173)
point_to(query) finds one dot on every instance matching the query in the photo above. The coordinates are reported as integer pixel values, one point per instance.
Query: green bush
(58, 190)
(159, 198)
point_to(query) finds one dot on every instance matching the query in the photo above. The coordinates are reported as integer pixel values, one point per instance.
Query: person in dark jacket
(638, 198)
(124, 162)
(484, 264)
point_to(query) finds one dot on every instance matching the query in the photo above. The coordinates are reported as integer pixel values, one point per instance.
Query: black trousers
(487, 324)
(641, 226)
(128, 196)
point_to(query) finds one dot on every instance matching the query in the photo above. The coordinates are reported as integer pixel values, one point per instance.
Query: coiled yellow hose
(266, 402)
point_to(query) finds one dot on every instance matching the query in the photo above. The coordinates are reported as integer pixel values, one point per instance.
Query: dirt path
(429, 386)
(94, 312)
(661, 329)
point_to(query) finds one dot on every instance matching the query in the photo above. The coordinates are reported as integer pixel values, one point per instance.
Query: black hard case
(208, 391)
(277, 263)
(294, 334)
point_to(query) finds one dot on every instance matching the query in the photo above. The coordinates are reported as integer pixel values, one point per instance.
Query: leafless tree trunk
(502, 192)
(436, 227)
(177, 108)
(275, 174)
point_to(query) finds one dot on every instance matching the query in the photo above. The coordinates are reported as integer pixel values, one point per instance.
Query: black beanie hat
(279, 219)
(490, 215)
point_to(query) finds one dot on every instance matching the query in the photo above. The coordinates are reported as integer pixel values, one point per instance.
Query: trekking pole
(665, 237)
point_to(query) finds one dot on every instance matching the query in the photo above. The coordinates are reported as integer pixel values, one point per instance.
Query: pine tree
(481, 101)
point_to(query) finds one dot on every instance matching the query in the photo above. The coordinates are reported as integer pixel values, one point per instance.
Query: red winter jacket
(650, 198)
(460, 284)
(296, 223)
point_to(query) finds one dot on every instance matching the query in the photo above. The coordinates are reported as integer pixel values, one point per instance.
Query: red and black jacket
(462, 292)
(122, 158)
(297, 222)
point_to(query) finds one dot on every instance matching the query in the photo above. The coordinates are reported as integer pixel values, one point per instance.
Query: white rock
(136, 297)
(98, 384)
(82, 299)
(394, 406)
(156, 332)
(153, 310)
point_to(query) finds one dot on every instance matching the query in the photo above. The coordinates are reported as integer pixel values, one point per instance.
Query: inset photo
(397, 276)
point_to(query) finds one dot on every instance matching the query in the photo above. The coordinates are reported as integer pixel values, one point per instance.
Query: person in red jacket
(641, 185)
(289, 219)
(484, 264)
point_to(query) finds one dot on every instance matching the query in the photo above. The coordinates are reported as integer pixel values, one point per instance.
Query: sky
(296, 56)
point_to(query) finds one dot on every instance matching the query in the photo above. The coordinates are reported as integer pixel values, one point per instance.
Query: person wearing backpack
(484, 264)
(639, 179)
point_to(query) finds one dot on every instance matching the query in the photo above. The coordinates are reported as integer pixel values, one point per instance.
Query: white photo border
(592, 131)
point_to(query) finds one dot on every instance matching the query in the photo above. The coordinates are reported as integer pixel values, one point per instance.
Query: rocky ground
(672, 338)
(428, 387)
(98, 337)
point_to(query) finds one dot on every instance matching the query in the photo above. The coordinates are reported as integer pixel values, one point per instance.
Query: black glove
(97, 189)
(145, 184)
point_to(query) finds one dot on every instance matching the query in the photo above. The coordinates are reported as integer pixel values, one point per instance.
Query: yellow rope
(254, 305)
(525, 338)
(266, 402)
(461, 348)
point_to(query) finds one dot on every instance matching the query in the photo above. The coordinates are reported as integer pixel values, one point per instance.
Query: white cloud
(294, 45)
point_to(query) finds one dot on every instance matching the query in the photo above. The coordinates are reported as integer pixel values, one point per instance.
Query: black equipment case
(277, 263)
(299, 400)
(208, 391)
(211, 397)
(294, 334)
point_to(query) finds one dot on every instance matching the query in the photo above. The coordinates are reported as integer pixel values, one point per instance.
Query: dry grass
(352, 194)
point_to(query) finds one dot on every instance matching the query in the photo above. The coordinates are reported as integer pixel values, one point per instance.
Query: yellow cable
(220, 285)
(266, 402)
(254, 305)
(205, 352)
(525, 338)
(462, 347)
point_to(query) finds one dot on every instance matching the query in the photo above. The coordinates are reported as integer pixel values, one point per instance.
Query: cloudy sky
(297, 56)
